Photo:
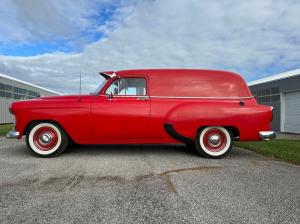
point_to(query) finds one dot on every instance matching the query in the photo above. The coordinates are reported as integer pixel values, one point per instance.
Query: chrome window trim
(118, 80)
(122, 96)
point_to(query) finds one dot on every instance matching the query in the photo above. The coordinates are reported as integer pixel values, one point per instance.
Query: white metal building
(12, 89)
(282, 91)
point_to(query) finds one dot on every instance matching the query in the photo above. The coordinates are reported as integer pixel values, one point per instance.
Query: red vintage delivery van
(204, 109)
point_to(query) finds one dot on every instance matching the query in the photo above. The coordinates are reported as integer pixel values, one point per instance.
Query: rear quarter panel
(187, 118)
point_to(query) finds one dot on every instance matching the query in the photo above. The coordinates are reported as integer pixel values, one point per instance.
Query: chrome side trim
(185, 97)
(203, 97)
(267, 135)
(12, 134)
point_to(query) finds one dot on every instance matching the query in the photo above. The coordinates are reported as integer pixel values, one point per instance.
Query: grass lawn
(283, 149)
(4, 128)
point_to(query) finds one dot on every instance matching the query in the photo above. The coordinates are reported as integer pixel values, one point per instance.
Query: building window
(5, 90)
(267, 96)
(265, 92)
(275, 90)
(275, 98)
(17, 93)
(32, 93)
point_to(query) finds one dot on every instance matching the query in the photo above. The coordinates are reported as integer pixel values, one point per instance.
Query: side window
(128, 87)
(113, 88)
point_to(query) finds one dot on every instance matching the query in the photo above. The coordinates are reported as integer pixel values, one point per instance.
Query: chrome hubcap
(46, 138)
(214, 140)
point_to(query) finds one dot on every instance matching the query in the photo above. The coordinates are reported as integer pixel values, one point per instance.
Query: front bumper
(267, 135)
(12, 134)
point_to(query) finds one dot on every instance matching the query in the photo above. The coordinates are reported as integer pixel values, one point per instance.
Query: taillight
(272, 113)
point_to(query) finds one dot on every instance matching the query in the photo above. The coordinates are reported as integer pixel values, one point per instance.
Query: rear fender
(188, 118)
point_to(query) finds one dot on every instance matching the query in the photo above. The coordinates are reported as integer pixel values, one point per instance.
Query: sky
(49, 43)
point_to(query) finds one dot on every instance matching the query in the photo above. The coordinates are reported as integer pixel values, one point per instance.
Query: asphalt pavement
(145, 184)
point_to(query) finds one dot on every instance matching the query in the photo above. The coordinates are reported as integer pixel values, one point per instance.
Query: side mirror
(110, 96)
(116, 91)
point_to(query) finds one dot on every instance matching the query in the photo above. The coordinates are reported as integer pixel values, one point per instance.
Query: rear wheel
(214, 142)
(46, 139)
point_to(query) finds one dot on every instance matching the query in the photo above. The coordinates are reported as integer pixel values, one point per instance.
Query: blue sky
(50, 42)
(35, 48)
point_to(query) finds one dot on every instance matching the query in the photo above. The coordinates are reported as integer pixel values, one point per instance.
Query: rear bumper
(267, 135)
(12, 134)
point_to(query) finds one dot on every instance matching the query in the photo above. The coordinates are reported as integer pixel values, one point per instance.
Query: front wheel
(214, 142)
(46, 139)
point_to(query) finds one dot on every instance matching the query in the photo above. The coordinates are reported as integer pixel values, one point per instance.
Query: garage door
(292, 112)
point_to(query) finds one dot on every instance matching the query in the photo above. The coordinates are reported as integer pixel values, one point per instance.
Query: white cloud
(253, 38)
(42, 20)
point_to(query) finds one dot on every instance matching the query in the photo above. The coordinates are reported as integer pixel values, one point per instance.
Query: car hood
(50, 102)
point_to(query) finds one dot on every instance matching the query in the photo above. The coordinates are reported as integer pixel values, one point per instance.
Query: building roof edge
(27, 83)
(271, 78)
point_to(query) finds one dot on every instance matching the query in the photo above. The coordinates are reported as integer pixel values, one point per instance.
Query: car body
(150, 106)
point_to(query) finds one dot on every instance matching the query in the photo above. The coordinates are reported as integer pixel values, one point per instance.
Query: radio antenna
(79, 98)
(123, 64)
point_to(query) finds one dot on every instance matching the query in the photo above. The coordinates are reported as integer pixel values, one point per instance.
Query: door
(123, 114)
(292, 112)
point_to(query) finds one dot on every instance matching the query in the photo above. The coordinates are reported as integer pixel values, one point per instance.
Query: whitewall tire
(214, 141)
(46, 139)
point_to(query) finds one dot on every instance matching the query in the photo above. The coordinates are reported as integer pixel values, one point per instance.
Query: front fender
(70, 119)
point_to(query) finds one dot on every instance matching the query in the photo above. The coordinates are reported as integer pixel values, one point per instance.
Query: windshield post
(99, 88)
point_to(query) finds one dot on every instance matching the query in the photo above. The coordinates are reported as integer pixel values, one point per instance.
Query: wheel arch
(187, 140)
(233, 129)
(29, 124)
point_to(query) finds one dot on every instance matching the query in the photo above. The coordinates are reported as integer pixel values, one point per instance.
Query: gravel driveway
(145, 184)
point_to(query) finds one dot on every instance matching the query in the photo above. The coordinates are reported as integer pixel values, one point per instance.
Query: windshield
(96, 92)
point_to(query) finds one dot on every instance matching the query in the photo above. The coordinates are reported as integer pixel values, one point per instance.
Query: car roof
(170, 71)
(194, 82)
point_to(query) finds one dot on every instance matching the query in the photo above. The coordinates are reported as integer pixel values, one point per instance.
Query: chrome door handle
(143, 98)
